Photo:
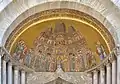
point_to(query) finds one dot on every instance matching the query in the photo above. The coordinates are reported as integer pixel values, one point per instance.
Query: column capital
(117, 50)
(2, 52)
(22, 71)
(95, 71)
(89, 74)
(10, 63)
(108, 64)
(16, 68)
(102, 68)
(112, 57)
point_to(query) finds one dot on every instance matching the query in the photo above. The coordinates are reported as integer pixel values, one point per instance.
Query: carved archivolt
(59, 46)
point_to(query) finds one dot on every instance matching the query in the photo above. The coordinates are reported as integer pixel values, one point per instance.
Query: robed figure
(100, 50)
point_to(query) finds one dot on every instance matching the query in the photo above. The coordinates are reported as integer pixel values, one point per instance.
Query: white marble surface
(4, 3)
(116, 2)
(10, 74)
(108, 73)
(114, 72)
(0, 68)
(16, 76)
(102, 76)
(4, 72)
(45, 77)
(95, 77)
(118, 69)
(23, 77)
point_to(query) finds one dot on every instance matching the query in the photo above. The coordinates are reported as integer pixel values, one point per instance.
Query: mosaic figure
(54, 47)
(80, 60)
(72, 61)
(20, 51)
(28, 57)
(100, 50)
(93, 59)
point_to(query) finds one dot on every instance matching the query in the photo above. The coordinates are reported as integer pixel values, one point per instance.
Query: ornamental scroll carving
(57, 46)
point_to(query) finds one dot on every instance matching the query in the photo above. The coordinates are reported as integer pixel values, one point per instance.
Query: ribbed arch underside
(116, 2)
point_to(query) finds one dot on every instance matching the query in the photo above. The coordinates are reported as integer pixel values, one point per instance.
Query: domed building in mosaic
(59, 41)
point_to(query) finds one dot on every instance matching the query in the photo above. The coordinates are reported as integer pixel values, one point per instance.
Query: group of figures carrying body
(58, 46)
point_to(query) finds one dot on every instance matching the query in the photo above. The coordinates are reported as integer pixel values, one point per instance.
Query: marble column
(16, 75)
(95, 77)
(90, 78)
(4, 71)
(118, 69)
(22, 77)
(10, 73)
(114, 72)
(102, 75)
(19, 77)
(109, 74)
(118, 66)
(0, 69)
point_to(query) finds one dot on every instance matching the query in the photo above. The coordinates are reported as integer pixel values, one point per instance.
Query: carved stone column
(22, 77)
(10, 73)
(0, 69)
(118, 64)
(109, 74)
(4, 71)
(114, 72)
(90, 78)
(16, 75)
(19, 77)
(95, 77)
(102, 75)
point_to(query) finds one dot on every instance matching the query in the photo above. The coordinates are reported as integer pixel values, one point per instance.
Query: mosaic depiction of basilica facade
(60, 45)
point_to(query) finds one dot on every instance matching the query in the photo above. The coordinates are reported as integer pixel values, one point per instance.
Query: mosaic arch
(56, 46)
(62, 45)
(21, 51)
(23, 48)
